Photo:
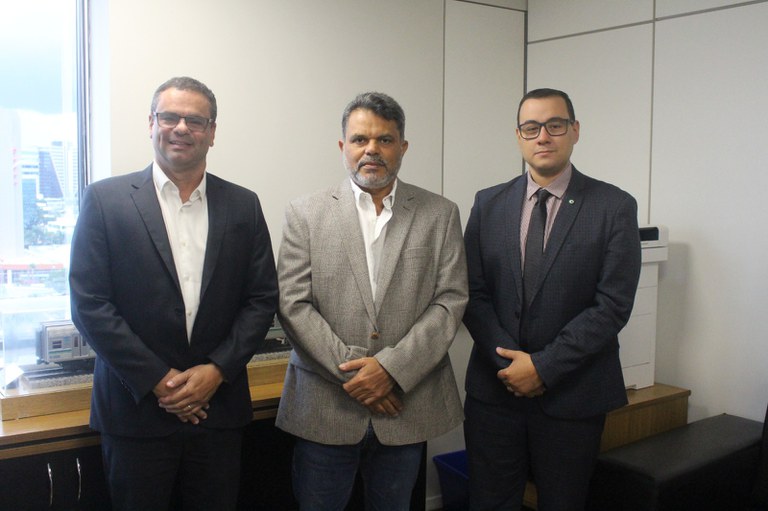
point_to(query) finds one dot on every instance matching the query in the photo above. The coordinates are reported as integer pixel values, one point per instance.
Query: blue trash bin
(454, 480)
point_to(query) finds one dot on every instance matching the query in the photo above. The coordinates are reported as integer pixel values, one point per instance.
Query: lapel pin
(571, 201)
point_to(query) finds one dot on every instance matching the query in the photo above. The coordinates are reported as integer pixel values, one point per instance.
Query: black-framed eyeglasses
(556, 127)
(171, 120)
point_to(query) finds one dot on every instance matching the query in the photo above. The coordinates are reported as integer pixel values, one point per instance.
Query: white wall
(484, 64)
(282, 73)
(596, 70)
(653, 91)
(709, 178)
(656, 95)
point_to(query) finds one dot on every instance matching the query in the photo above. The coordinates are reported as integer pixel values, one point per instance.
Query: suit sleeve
(309, 333)
(259, 304)
(94, 312)
(432, 334)
(593, 331)
(481, 317)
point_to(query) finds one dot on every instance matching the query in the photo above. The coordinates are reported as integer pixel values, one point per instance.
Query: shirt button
(375, 336)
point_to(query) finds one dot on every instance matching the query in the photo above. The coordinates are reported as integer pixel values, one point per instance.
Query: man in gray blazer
(373, 286)
(173, 284)
(545, 366)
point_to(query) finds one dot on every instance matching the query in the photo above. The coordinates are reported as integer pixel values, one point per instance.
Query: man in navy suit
(173, 284)
(545, 366)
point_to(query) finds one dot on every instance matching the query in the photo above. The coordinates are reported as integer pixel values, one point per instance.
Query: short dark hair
(190, 84)
(378, 103)
(547, 93)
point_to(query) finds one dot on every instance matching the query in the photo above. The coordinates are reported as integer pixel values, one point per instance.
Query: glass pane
(39, 171)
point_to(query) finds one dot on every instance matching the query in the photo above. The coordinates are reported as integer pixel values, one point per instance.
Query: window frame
(83, 100)
(84, 152)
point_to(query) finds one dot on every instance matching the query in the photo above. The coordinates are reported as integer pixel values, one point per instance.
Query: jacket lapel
(346, 221)
(566, 215)
(145, 199)
(397, 231)
(218, 211)
(513, 207)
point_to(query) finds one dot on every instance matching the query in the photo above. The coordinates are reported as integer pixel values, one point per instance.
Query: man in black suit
(545, 366)
(173, 284)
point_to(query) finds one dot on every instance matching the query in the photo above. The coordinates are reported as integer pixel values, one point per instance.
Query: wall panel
(608, 76)
(678, 7)
(709, 185)
(556, 18)
(282, 72)
(484, 71)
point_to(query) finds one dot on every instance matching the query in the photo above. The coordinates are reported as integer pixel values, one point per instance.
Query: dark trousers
(200, 466)
(506, 443)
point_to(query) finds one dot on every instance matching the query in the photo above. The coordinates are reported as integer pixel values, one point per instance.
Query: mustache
(371, 159)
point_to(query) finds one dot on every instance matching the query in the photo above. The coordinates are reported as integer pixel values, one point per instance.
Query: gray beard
(371, 182)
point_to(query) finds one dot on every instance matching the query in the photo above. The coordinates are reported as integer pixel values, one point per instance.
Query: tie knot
(541, 196)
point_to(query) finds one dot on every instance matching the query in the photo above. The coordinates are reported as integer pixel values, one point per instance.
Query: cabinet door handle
(79, 479)
(50, 486)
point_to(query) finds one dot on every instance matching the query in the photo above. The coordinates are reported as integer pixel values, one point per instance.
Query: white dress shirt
(187, 228)
(374, 228)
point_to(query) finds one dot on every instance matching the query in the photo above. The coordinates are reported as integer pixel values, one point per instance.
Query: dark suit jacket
(127, 303)
(583, 299)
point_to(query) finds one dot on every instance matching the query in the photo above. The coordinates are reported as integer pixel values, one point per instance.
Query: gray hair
(378, 103)
(189, 84)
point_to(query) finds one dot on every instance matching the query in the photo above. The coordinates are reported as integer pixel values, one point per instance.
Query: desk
(17, 436)
(53, 461)
(48, 433)
(62, 441)
(650, 411)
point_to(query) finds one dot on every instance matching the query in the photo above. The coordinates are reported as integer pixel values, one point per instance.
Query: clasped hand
(186, 394)
(372, 386)
(520, 377)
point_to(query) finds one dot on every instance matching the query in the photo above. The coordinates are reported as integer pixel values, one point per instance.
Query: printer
(638, 338)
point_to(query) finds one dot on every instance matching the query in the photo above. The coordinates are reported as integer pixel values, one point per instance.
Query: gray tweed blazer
(330, 316)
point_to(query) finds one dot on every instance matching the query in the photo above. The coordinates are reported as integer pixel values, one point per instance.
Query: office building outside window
(43, 168)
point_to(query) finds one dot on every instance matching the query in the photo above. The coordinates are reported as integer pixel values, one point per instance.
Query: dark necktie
(534, 245)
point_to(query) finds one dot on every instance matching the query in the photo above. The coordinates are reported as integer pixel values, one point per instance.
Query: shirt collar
(161, 180)
(556, 187)
(388, 201)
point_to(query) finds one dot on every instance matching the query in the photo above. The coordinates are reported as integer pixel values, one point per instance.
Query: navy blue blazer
(127, 303)
(583, 299)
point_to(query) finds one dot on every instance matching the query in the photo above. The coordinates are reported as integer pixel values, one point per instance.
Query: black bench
(711, 464)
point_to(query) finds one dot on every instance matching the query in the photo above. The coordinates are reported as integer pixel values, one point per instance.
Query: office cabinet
(71, 480)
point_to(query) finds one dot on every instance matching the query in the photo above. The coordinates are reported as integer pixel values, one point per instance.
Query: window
(43, 162)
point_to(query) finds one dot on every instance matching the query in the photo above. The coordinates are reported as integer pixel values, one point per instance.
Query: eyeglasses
(556, 127)
(171, 120)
